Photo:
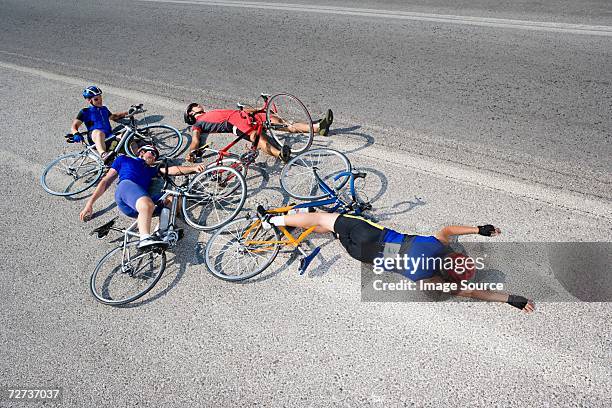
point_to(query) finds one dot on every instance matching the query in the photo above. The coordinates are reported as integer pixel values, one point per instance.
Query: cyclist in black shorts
(365, 240)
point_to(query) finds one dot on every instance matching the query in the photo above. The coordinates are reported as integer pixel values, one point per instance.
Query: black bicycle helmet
(189, 119)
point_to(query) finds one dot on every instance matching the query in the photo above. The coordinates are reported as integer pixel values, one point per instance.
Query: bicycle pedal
(305, 262)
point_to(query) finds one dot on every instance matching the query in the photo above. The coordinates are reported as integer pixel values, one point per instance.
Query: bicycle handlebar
(137, 109)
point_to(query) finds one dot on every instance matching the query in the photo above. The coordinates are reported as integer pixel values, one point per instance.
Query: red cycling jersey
(223, 121)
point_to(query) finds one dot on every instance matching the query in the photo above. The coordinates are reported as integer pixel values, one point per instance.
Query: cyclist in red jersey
(238, 122)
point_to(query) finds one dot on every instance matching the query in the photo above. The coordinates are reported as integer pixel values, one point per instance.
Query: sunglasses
(191, 112)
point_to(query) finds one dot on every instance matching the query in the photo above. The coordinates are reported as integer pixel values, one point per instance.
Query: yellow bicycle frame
(267, 245)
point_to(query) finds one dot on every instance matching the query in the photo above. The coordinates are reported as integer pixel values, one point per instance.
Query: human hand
(529, 307)
(73, 138)
(85, 214)
(521, 303)
(488, 230)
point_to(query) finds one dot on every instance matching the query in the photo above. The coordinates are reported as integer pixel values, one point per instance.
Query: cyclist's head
(92, 92)
(189, 115)
(148, 148)
(457, 267)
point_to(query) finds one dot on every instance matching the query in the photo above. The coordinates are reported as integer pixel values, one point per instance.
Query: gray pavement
(285, 339)
(537, 104)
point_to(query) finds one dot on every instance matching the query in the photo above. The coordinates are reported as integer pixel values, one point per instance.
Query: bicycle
(283, 111)
(75, 172)
(249, 249)
(125, 274)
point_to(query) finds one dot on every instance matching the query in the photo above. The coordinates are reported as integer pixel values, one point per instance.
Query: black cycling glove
(486, 230)
(517, 301)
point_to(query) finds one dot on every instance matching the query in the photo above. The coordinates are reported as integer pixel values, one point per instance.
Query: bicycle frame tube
(290, 241)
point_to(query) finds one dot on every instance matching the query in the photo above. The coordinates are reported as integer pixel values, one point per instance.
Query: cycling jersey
(365, 240)
(96, 119)
(135, 170)
(423, 253)
(224, 121)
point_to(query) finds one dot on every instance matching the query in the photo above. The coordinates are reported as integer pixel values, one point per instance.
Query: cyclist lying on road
(238, 122)
(97, 119)
(131, 195)
(365, 241)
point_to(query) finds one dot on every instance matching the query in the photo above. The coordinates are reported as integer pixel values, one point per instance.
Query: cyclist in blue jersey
(365, 241)
(131, 195)
(96, 118)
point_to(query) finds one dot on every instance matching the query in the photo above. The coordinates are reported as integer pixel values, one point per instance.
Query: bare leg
(298, 127)
(99, 139)
(264, 145)
(324, 222)
(145, 208)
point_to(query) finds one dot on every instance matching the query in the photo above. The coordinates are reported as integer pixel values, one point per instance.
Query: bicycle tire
(67, 169)
(208, 190)
(219, 247)
(298, 180)
(167, 139)
(111, 291)
(287, 109)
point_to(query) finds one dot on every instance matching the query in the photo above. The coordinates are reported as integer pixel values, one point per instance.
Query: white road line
(586, 29)
(569, 201)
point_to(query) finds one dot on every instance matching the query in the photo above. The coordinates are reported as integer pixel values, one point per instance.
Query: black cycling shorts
(361, 238)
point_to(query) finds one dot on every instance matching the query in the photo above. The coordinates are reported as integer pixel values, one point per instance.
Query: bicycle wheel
(241, 249)
(72, 173)
(124, 276)
(298, 179)
(214, 197)
(289, 122)
(167, 139)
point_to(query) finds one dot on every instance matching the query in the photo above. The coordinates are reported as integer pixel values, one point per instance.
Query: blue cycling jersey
(423, 253)
(96, 119)
(135, 170)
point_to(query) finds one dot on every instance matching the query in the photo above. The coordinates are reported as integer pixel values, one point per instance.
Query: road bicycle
(285, 114)
(126, 273)
(75, 172)
(243, 248)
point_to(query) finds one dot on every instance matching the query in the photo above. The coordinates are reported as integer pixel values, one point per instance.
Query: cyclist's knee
(97, 135)
(145, 204)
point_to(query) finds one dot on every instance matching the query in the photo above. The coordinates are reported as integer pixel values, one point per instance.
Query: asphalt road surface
(465, 112)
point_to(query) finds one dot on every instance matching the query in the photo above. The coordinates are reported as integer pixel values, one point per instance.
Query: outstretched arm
(446, 233)
(85, 214)
(181, 170)
(116, 116)
(520, 302)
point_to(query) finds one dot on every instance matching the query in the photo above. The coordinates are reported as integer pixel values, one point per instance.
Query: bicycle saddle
(103, 230)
